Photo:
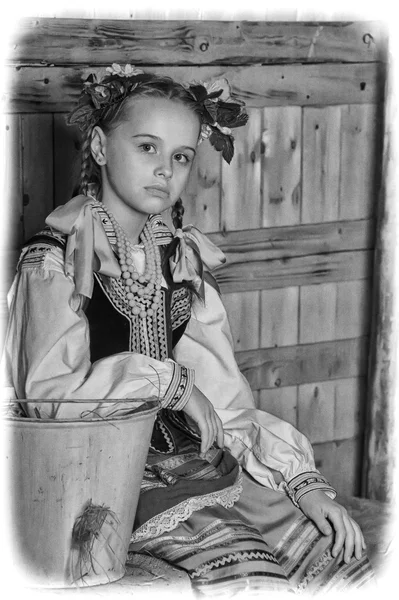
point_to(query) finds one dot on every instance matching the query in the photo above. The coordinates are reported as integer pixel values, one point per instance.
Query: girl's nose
(164, 169)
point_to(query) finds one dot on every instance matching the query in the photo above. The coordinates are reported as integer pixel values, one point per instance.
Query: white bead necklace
(143, 292)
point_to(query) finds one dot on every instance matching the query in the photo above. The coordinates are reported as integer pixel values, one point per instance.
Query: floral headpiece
(218, 111)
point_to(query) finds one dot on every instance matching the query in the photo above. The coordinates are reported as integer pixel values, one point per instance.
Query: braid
(89, 172)
(177, 214)
(86, 165)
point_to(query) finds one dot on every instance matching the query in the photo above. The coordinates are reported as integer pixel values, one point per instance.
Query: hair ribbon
(88, 248)
(194, 253)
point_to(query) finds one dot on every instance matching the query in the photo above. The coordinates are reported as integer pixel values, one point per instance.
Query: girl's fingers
(340, 532)
(360, 544)
(206, 436)
(211, 430)
(219, 432)
(349, 539)
(321, 522)
(363, 541)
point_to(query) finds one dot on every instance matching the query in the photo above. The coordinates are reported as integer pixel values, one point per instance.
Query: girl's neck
(131, 222)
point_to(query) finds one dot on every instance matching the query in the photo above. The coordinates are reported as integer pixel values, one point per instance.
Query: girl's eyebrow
(155, 137)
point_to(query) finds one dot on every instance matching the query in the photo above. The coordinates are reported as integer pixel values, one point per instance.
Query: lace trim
(169, 520)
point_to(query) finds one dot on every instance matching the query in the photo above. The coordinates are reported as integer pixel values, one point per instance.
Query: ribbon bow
(194, 252)
(88, 248)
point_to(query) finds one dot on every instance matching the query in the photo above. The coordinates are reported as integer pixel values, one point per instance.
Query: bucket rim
(148, 409)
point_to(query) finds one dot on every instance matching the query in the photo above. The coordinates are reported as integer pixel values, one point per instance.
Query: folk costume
(230, 520)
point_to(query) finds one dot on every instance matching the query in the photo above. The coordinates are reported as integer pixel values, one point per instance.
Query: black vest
(113, 329)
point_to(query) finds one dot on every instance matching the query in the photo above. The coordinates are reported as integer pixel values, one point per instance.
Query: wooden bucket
(65, 473)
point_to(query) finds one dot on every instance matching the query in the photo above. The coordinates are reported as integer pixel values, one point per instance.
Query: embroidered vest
(114, 329)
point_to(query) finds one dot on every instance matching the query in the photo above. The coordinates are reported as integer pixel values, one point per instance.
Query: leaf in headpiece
(96, 101)
(223, 143)
(215, 95)
(132, 86)
(85, 98)
(242, 119)
(198, 92)
(79, 114)
(228, 120)
(231, 115)
(212, 109)
(92, 78)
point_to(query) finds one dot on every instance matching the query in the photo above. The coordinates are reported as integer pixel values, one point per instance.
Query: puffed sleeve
(262, 443)
(47, 353)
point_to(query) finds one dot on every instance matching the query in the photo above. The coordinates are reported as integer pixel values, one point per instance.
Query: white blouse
(47, 356)
(47, 350)
(256, 438)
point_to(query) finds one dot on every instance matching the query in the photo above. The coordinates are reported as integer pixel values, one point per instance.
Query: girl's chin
(147, 206)
(158, 205)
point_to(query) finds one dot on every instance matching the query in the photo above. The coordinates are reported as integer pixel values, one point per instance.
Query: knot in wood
(204, 45)
(368, 39)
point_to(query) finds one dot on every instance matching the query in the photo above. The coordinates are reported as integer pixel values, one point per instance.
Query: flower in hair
(206, 132)
(220, 112)
(98, 96)
(126, 71)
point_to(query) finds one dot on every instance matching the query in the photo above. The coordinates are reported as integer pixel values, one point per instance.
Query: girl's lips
(158, 191)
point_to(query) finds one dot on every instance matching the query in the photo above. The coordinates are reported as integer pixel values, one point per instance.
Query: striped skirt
(261, 543)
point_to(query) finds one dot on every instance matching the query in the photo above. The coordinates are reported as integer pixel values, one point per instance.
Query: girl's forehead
(162, 115)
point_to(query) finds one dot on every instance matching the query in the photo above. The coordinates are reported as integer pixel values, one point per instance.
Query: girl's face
(146, 159)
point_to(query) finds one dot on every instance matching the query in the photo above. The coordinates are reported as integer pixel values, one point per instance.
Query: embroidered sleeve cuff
(306, 482)
(180, 387)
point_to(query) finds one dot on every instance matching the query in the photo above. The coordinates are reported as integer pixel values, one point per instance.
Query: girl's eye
(182, 158)
(148, 148)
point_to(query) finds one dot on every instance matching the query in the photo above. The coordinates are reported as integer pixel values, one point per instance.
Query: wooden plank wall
(294, 211)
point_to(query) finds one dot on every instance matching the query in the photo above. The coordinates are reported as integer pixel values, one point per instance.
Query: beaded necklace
(143, 292)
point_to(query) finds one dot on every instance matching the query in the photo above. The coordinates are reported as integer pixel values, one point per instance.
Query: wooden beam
(302, 270)
(56, 89)
(277, 257)
(299, 240)
(378, 482)
(306, 363)
(101, 42)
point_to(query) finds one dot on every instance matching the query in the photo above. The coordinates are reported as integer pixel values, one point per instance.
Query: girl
(107, 304)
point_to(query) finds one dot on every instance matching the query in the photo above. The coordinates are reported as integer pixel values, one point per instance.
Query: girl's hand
(203, 414)
(318, 507)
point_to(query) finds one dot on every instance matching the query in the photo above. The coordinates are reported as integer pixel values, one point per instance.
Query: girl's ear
(98, 145)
